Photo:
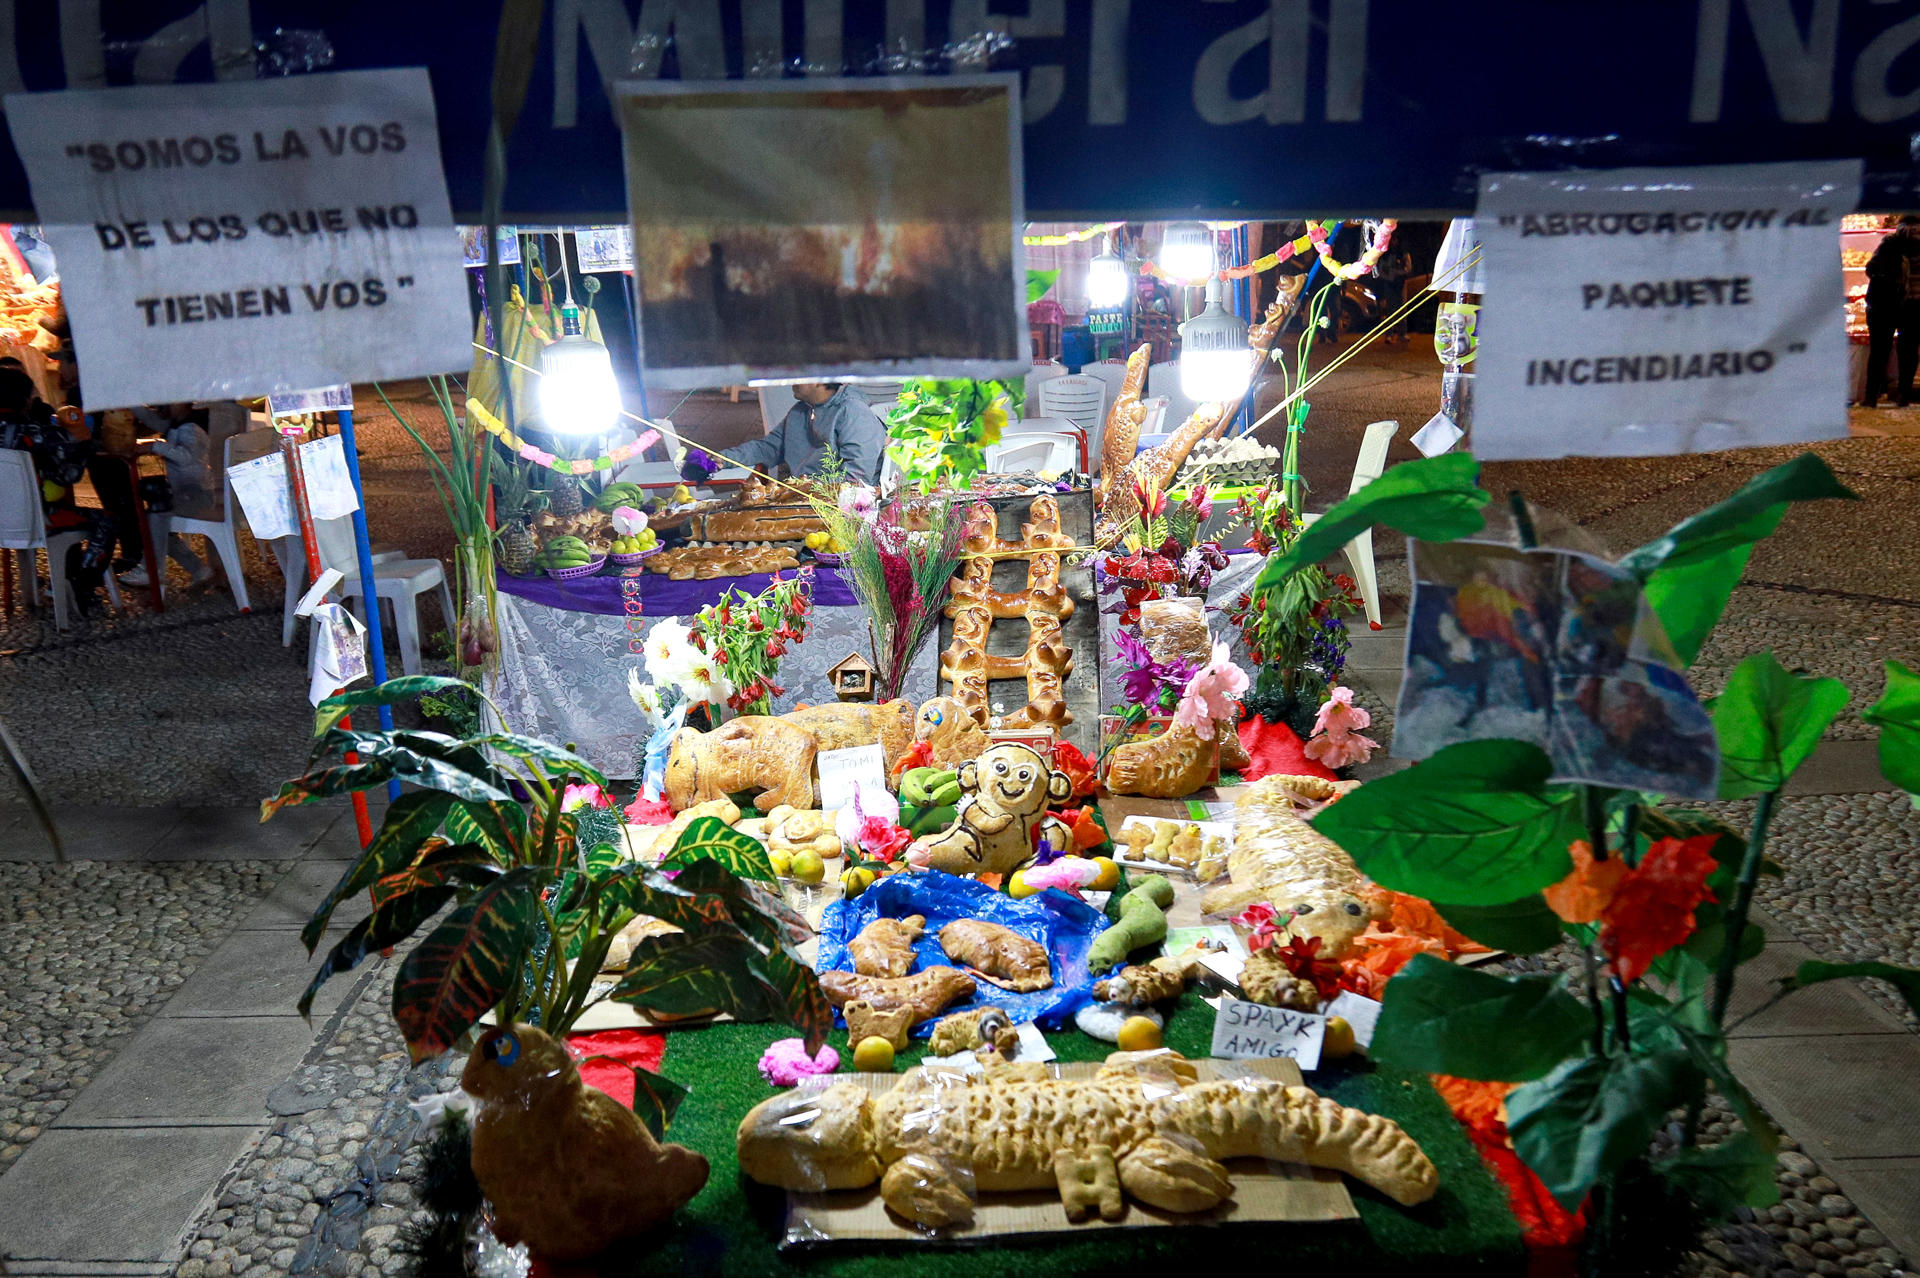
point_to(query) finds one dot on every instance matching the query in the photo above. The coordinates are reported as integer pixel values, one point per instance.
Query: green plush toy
(1143, 921)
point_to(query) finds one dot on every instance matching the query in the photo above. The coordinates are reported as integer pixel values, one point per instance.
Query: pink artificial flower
(586, 795)
(871, 823)
(1068, 873)
(1336, 742)
(786, 1062)
(1260, 925)
(1210, 694)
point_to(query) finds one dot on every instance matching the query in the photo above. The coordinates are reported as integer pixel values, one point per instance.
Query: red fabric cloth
(627, 1047)
(1277, 751)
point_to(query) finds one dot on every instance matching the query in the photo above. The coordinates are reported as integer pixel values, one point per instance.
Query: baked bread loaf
(884, 947)
(1045, 605)
(1170, 766)
(1124, 419)
(926, 991)
(1280, 860)
(998, 955)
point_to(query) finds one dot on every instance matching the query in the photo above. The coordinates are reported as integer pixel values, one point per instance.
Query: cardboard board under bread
(1263, 1192)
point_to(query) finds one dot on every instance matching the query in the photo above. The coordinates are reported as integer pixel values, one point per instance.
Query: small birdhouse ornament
(852, 679)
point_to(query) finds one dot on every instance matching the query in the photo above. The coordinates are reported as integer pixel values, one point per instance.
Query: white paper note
(841, 771)
(219, 241)
(1256, 1032)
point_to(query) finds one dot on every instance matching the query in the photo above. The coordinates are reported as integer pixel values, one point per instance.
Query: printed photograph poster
(1558, 649)
(800, 229)
(473, 245)
(604, 248)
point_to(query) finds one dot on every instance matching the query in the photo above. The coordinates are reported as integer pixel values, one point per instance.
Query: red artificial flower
(1079, 769)
(1259, 922)
(918, 755)
(774, 650)
(726, 615)
(1301, 956)
(1652, 909)
(755, 624)
(720, 657)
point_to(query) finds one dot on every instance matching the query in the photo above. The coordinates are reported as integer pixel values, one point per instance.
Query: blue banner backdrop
(1134, 107)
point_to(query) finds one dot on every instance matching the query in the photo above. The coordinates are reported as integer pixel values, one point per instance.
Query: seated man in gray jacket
(828, 415)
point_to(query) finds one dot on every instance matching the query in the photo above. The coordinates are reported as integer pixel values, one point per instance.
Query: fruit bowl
(578, 571)
(626, 559)
(831, 558)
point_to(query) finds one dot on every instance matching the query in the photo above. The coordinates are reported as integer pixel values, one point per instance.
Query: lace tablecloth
(563, 674)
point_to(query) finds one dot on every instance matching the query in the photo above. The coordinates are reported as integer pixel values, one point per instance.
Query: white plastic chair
(1041, 374)
(1112, 374)
(23, 530)
(775, 403)
(1164, 380)
(1155, 422)
(1077, 397)
(399, 582)
(291, 554)
(882, 395)
(1369, 466)
(221, 534)
(1042, 453)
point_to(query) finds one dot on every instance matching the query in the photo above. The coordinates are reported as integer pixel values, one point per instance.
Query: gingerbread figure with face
(1005, 793)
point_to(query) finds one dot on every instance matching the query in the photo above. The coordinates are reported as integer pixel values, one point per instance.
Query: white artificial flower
(670, 651)
(645, 695)
(703, 680)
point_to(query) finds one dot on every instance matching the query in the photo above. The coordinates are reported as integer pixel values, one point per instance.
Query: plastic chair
(1112, 374)
(221, 533)
(1369, 466)
(398, 582)
(775, 403)
(23, 530)
(291, 554)
(1041, 374)
(1077, 397)
(882, 395)
(1037, 452)
(1164, 380)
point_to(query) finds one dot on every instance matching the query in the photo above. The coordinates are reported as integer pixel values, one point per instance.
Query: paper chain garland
(562, 465)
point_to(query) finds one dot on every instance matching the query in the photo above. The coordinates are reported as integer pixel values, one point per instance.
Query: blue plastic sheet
(1065, 926)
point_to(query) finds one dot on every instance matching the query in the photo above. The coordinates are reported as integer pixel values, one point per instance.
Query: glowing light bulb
(1215, 364)
(578, 392)
(1186, 251)
(1107, 281)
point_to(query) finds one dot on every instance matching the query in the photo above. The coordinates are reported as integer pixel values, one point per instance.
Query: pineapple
(563, 496)
(516, 504)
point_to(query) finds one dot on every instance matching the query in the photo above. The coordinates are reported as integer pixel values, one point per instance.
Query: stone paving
(170, 1140)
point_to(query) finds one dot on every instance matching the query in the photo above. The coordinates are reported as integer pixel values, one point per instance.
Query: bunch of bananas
(617, 495)
(929, 799)
(566, 552)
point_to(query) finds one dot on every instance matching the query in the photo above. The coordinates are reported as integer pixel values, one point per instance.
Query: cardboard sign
(220, 241)
(1256, 1032)
(841, 771)
(1633, 312)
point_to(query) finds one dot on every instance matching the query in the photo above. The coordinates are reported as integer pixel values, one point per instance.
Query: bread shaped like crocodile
(1280, 860)
(1144, 1127)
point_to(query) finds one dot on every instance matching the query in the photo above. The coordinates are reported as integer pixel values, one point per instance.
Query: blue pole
(1243, 297)
(363, 550)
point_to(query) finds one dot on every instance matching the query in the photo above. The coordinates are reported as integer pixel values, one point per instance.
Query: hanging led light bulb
(578, 392)
(1215, 364)
(1186, 251)
(1107, 280)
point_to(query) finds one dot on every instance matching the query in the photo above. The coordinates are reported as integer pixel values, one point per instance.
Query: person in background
(828, 416)
(1389, 285)
(59, 458)
(187, 487)
(1893, 307)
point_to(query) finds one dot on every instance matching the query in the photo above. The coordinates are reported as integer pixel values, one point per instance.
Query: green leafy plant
(533, 910)
(940, 428)
(1657, 898)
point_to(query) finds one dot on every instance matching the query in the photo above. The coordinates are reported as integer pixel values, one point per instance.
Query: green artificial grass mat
(732, 1227)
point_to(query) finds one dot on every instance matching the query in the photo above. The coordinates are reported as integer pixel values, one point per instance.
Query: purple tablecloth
(659, 596)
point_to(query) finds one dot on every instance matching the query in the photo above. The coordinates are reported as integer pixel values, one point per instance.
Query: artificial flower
(585, 795)
(1200, 500)
(1584, 895)
(1152, 498)
(705, 681)
(1336, 743)
(1078, 769)
(1301, 957)
(629, 522)
(993, 421)
(1261, 923)
(858, 501)
(645, 811)
(786, 1062)
(645, 695)
(1067, 874)
(871, 825)
(669, 651)
(1340, 752)
(1210, 693)
(1653, 909)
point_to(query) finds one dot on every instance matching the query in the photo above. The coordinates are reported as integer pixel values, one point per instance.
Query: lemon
(873, 1055)
(1017, 886)
(816, 541)
(856, 881)
(1338, 1039)
(781, 862)
(1109, 877)
(808, 867)
(1138, 1034)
